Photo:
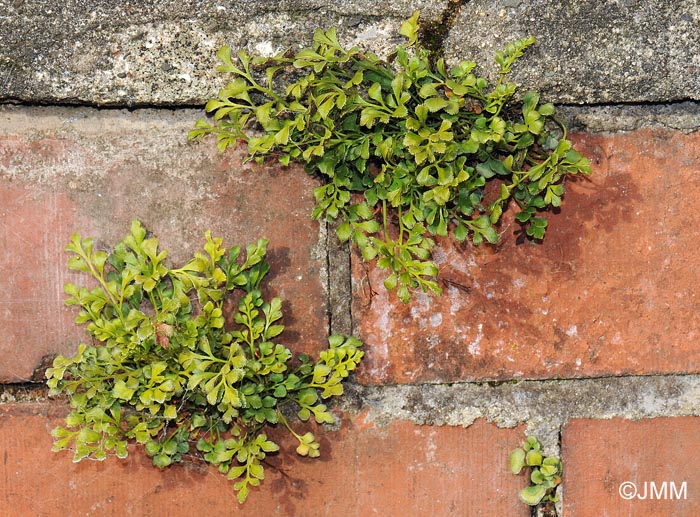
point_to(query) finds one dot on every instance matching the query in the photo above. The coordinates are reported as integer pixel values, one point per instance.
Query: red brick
(611, 290)
(66, 171)
(601, 455)
(35, 226)
(365, 468)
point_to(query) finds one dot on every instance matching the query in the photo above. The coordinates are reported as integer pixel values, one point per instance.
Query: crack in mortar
(338, 283)
(432, 35)
(24, 392)
(682, 116)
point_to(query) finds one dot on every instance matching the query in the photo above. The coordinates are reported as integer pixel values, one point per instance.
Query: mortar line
(339, 283)
(351, 319)
(543, 406)
(631, 104)
(329, 298)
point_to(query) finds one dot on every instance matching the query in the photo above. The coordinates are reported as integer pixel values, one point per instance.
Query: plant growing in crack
(173, 368)
(545, 472)
(407, 149)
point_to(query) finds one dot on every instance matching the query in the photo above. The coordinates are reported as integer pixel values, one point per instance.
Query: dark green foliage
(405, 148)
(170, 373)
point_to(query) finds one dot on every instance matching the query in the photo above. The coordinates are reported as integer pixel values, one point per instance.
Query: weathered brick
(364, 468)
(64, 171)
(602, 457)
(610, 290)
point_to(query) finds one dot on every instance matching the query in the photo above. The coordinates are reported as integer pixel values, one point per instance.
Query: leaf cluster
(408, 149)
(545, 472)
(174, 369)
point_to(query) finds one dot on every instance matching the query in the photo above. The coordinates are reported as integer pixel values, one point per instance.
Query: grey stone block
(151, 52)
(589, 52)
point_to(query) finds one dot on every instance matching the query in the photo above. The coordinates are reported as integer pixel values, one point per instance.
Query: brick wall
(588, 340)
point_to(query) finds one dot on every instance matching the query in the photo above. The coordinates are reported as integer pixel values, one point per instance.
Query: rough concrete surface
(589, 52)
(161, 53)
(153, 53)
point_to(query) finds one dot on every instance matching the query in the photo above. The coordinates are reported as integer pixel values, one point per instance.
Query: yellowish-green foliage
(405, 147)
(169, 373)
